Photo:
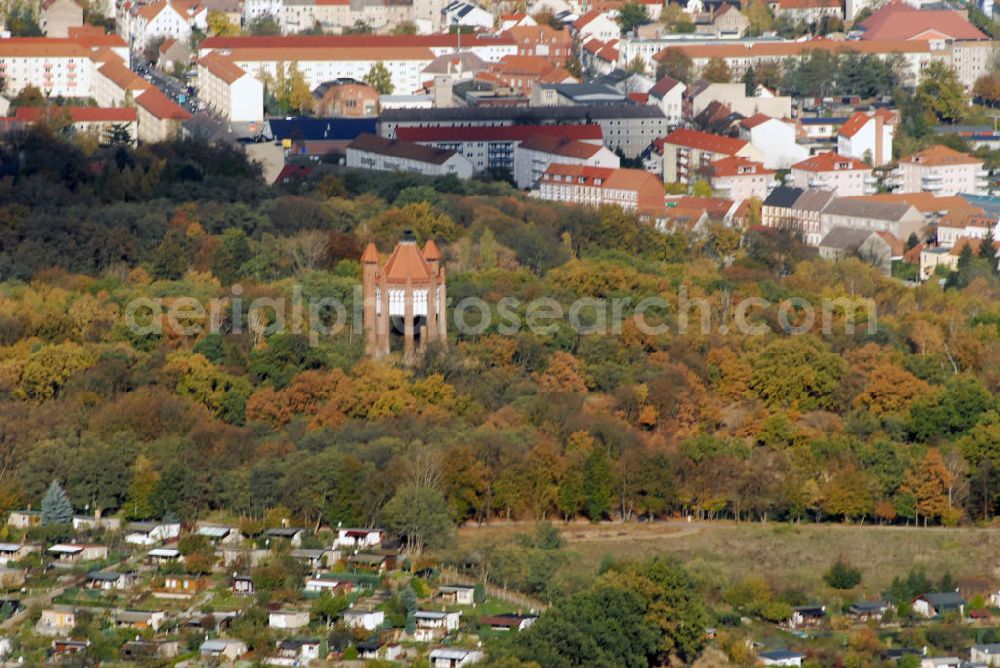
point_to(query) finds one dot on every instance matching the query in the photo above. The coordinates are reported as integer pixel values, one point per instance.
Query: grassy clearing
(790, 556)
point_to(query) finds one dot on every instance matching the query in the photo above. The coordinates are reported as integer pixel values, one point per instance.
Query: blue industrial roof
(319, 129)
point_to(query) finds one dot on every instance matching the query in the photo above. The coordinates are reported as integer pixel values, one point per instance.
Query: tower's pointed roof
(370, 255)
(407, 261)
(431, 251)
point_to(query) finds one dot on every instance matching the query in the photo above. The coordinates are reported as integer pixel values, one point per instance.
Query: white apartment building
(393, 155)
(631, 189)
(165, 18)
(740, 179)
(868, 136)
(775, 139)
(942, 171)
(846, 177)
(57, 67)
(596, 25)
(534, 155)
(668, 95)
(229, 90)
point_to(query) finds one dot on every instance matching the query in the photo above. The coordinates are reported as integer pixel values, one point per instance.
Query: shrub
(842, 575)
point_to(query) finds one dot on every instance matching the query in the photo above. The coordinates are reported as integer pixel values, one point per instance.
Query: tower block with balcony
(405, 295)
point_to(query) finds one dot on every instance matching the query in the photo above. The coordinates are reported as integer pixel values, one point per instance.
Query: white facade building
(846, 177)
(534, 155)
(868, 136)
(775, 139)
(942, 171)
(57, 67)
(229, 90)
(392, 155)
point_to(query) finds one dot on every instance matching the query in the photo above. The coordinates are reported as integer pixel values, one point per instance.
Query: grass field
(790, 556)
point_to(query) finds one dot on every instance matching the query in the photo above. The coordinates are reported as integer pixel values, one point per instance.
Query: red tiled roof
(41, 47)
(525, 65)
(785, 49)
(736, 165)
(901, 21)
(160, 106)
(664, 86)
(540, 34)
(586, 18)
(940, 155)
(406, 261)
(569, 148)
(78, 114)
(715, 207)
(830, 162)
(854, 124)
(638, 98)
(122, 76)
(583, 132)
(754, 121)
(649, 187)
(354, 41)
(704, 141)
(222, 67)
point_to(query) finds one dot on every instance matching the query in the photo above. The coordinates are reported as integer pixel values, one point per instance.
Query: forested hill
(898, 423)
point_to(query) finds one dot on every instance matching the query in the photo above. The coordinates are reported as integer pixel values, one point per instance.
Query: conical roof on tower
(407, 261)
(370, 255)
(431, 251)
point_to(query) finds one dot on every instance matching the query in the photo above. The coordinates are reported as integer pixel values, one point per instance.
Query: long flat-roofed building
(376, 153)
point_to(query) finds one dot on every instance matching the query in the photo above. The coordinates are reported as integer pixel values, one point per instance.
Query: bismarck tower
(406, 294)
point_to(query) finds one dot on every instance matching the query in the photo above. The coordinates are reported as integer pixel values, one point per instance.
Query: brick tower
(407, 294)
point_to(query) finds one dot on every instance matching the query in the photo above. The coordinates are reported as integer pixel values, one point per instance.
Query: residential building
(345, 98)
(288, 619)
(115, 85)
(701, 94)
(625, 127)
(493, 148)
(57, 67)
(140, 619)
(739, 179)
(634, 190)
(942, 171)
(58, 16)
(151, 533)
(508, 621)
(98, 122)
(110, 580)
(810, 12)
(937, 604)
(164, 18)
(369, 620)
(970, 59)
(897, 218)
(13, 552)
(24, 519)
(988, 654)
(71, 553)
(376, 153)
(229, 90)
(296, 652)
(688, 154)
(952, 228)
(600, 57)
(572, 93)
(354, 538)
(223, 648)
(668, 95)
(545, 41)
(781, 657)
(159, 118)
(465, 14)
(57, 620)
(798, 210)
(903, 21)
(458, 594)
(454, 657)
(533, 156)
(868, 136)
(727, 22)
(869, 246)
(434, 625)
(596, 25)
(521, 73)
(830, 171)
(864, 611)
(774, 138)
(173, 52)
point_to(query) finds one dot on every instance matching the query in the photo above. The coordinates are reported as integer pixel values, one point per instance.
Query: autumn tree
(676, 64)
(717, 71)
(941, 94)
(219, 25)
(929, 482)
(380, 78)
